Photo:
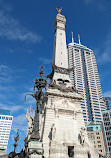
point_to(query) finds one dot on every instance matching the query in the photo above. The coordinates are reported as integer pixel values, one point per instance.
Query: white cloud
(5, 74)
(2, 96)
(100, 4)
(12, 108)
(45, 60)
(11, 29)
(87, 2)
(5, 70)
(17, 108)
(8, 74)
(107, 94)
(104, 52)
(20, 122)
(5, 6)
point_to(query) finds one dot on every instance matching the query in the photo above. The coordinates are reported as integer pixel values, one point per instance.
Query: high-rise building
(108, 102)
(95, 132)
(85, 78)
(107, 129)
(5, 127)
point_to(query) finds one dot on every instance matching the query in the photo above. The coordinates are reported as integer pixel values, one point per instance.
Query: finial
(59, 10)
(41, 71)
(16, 139)
(79, 39)
(72, 38)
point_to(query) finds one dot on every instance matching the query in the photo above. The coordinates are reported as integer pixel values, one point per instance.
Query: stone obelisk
(64, 131)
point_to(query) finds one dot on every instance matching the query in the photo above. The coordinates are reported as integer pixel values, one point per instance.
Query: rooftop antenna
(72, 38)
(79, 39)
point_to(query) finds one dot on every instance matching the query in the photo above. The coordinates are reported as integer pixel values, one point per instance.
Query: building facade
(5, 127)
(107, 129)
(107, 101)
(85, 78)
(96, 133)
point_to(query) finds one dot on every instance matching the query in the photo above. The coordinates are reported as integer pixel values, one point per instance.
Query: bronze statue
(59, 10)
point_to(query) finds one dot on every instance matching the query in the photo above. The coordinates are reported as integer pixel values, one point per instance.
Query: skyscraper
(107, 129)
(95, 131)
(5, 127)
(108, 102)
(85, 78)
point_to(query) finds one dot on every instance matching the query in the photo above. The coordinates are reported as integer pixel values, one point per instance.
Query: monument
(58, 129)
(33, 142)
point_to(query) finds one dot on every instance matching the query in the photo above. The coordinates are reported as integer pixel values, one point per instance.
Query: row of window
(4, 133)
(3, 142)
(5, 118)
(5, 126)
(4, 137)
(4, 129)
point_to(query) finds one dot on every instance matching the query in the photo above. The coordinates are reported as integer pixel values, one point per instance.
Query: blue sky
(26, 42)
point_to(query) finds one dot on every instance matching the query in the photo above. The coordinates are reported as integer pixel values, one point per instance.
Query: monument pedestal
(35, 149)
(57, 150)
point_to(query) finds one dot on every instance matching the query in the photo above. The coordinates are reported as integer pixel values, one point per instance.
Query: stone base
(61, 151)
(35, 149)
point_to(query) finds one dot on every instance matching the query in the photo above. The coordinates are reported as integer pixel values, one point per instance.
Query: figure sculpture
(53, 131)
(30, 122)
(59, 10)
(82, 136)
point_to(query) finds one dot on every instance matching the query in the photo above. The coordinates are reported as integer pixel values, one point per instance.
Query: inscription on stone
(35, 145)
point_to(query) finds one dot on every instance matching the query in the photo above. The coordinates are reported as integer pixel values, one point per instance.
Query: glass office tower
(85, 78)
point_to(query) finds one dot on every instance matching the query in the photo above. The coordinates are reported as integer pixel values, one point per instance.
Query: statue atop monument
(59, 10)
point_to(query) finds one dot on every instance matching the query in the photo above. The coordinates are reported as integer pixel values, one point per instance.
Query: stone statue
(30, 122)
(82, 136)
(53, 131)
(59, 10)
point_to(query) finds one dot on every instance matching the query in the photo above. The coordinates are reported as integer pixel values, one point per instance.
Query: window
(96, 128)
(10, 118)
(6, 118)
(98, 141)
(99, 146)
(98, 137)
(89, 128)
(76, 50)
